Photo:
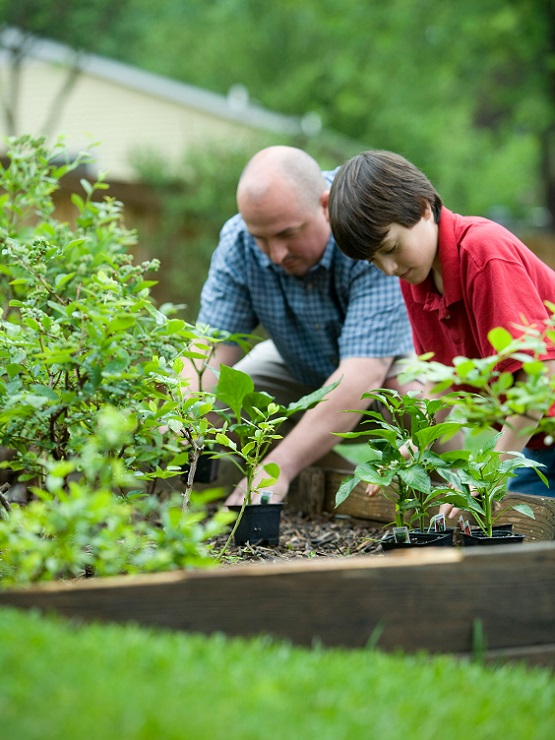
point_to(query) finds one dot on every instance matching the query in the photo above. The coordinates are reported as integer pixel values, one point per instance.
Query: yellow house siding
(123, 120)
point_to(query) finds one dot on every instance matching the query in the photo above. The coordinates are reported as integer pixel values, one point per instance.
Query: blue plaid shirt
(341, 308)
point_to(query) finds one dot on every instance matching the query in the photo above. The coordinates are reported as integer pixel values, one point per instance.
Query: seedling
(400, 457)
(251, 420)
(485, 477)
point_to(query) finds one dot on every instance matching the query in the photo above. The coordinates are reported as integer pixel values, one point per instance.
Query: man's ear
(324, 200)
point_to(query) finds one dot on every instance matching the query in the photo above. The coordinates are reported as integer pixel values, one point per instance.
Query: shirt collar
(449, 257)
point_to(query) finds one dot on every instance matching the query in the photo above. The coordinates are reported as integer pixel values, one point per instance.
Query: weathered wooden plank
(307, 491)
(542, 528)
(359, 504)
(425, 600)
(536, 655)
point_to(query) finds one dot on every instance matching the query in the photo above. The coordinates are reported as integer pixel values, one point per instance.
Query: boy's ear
(325, 199)
(428, 213)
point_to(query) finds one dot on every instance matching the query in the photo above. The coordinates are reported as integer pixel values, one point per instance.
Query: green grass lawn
(61, 680)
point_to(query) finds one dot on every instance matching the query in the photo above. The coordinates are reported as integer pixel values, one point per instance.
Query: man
(327, 316)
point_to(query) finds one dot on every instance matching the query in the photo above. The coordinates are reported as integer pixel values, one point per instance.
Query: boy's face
(410, 253)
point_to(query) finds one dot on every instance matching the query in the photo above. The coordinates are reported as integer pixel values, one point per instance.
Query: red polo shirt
(490, 279)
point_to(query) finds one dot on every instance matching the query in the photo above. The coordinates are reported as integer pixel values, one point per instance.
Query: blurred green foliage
(464, 90)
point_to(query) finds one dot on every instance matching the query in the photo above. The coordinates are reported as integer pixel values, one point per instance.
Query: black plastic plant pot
(206, 471)
(419, 539)
(259, 524)
(499, 536)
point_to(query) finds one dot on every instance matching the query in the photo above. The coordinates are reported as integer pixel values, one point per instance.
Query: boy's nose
(387, 265)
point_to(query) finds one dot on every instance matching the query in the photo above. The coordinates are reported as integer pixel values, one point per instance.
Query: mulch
(315, 536)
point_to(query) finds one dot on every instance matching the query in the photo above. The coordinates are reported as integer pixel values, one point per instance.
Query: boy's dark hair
(372, 191)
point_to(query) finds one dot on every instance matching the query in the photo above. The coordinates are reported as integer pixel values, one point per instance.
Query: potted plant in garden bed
(484, 397)
(401, 538)
(485, 477)
(401, 461)
(194, 408)
(250, 423)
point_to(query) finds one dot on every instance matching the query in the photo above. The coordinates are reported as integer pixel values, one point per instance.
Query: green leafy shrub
(79, 329)
(76, 526)
(92, 405)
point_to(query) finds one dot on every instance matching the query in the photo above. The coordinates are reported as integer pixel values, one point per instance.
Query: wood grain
(416, 601)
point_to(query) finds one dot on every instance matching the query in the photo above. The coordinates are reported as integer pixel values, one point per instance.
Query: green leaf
(272, 469)
(233, 385)
(504, 382)
(416, 478)
(311, 399)
(344, 491)
(369, 474)
(45, 391)
(464, 367)
(62, 280)
(499, 338)
(144, 284)
(120, 323)
(223, 440)
(525, 509)
(430, 434)
(32, 323)
(256, 405)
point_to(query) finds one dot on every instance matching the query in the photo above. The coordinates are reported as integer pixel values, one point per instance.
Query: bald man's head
(287, 168)
(283, 199)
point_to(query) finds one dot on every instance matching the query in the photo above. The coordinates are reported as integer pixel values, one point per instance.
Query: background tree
(92, 26)
(465, 90)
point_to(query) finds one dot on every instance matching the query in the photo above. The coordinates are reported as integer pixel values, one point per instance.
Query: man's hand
(279, 490)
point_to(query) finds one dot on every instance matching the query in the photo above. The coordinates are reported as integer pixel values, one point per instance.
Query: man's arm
(313, 436)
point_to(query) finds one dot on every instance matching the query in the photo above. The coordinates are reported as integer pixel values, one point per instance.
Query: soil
(315, 536)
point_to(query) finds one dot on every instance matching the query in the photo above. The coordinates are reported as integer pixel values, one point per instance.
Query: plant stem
(234, 529)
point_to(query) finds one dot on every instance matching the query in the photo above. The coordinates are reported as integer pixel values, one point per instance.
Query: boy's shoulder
(479, 235)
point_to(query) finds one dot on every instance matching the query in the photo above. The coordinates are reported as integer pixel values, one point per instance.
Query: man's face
(410, 253)
(293, 235)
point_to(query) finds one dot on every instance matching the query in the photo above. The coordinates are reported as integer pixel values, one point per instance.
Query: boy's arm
(517, 430)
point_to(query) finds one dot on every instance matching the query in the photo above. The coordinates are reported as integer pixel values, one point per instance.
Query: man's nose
(277, 250)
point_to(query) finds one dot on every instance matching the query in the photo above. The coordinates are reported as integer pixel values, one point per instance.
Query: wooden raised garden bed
(439, 600)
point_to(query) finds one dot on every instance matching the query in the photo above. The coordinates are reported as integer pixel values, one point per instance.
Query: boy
(460, 276)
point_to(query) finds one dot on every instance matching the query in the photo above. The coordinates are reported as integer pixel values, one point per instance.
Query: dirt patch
(316, 536)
